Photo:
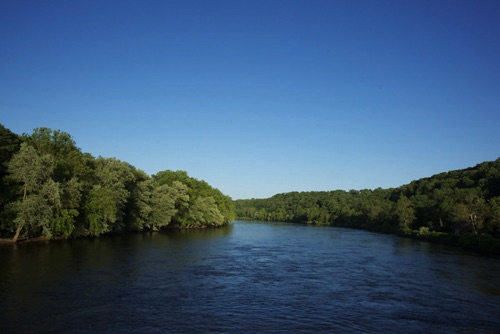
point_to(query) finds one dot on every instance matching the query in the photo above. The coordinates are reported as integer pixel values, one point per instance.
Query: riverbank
(484, 244)
(23, 240)
(481, 243)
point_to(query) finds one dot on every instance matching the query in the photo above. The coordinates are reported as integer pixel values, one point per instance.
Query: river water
(249, 277)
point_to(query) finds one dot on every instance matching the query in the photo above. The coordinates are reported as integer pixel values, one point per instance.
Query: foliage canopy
(51, 189)
(461, 205)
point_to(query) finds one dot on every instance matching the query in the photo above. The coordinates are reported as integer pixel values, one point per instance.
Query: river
(249, 277)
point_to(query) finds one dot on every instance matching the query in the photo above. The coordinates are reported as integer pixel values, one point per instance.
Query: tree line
(50, 189)
(460, 207)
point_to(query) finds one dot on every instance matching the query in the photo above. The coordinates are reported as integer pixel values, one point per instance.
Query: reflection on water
(464, 268)
(250, 277)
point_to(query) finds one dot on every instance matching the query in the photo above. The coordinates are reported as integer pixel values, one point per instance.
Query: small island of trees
(49, 189)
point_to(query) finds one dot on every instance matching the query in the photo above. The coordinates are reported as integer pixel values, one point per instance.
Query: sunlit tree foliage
(51, 189)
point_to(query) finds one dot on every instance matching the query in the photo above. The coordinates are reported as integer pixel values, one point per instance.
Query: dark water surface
(248, 278)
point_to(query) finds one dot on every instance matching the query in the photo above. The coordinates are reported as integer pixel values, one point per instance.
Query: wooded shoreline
(52, 190)
(460, 208)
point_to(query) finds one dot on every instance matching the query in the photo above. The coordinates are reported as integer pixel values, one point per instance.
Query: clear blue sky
(261, 97)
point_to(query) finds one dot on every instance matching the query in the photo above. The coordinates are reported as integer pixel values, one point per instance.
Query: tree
(405, 213)
(179, 192)
(468, 211)
(138, 207)
(492, 223)
(102, 210)
(37, 190)
(204, 212)
(63, 220)
(51, 188)
(9, 145)
(105, 205)
(195, 189)
(168, 202)
(61, 146)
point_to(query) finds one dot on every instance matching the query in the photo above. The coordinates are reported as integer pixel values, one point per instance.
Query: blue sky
(261, 97)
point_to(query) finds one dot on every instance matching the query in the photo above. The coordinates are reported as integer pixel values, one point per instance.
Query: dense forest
(50, 189)
(459, 207)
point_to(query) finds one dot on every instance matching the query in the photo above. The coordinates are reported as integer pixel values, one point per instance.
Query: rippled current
(248, 278)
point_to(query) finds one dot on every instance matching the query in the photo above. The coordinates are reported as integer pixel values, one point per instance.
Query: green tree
(67, 209)
(37, 190)
(168, 202)
(204, 212)
(196, 189)
(106, 202)
(102, 210)
(9, 145)
(492, 223)
(61, 146)
(138, 206)
(405, 213)
(468, 212)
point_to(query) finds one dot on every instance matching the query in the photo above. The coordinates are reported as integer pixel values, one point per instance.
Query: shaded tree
(405, 213)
